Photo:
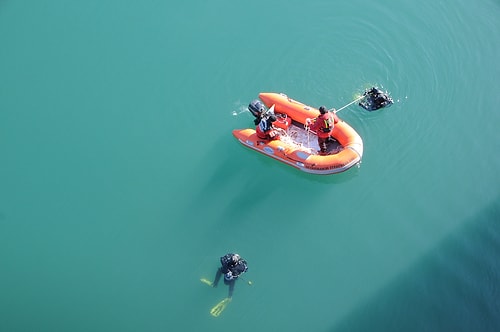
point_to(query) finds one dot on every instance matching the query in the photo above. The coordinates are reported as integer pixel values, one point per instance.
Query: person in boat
(265, 129)
(323, 126)
(232, 267)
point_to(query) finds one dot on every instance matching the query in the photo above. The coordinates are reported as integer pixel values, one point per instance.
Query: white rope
(285, 138)
(352, 102)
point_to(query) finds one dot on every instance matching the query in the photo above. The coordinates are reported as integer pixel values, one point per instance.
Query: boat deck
(307, 140)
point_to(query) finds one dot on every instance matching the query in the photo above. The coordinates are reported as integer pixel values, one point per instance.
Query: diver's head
(322, 109)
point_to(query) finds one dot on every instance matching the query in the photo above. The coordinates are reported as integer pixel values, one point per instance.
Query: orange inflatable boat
(297, 145)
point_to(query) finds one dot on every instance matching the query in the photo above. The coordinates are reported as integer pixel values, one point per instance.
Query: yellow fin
(219, 307)
(206, 281)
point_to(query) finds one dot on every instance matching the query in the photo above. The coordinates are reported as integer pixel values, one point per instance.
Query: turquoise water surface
(121, 184)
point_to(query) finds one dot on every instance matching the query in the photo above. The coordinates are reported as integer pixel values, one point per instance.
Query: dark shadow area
(455, 287)
(227, 187)
(236, 163)
(217, 188)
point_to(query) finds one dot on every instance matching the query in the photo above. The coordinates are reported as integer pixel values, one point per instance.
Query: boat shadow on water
(233, 178)
(237, 173)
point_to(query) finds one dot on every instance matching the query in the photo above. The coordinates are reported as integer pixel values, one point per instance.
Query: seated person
(265, 128)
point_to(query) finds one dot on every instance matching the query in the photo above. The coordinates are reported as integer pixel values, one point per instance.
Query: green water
(121, 184)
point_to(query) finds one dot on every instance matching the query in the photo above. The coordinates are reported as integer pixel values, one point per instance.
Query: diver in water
(375, 99)
(232, 267)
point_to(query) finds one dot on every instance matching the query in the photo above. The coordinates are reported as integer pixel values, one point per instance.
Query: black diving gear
(232, 267)
(375, 99)
(260, 112)
(257, 108)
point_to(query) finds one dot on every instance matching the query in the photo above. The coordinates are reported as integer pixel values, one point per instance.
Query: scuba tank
(226, 260)
(232, 269)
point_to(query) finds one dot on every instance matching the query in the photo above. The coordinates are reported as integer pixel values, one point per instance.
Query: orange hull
(347, 155)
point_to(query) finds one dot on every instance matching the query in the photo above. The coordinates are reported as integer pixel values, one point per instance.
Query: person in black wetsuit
(375, 99)
(232, 267)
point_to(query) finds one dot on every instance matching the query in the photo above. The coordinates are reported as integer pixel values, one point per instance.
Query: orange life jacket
(323, 125)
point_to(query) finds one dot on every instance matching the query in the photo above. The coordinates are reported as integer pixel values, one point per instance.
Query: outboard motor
(375, 99)
(257, 108)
